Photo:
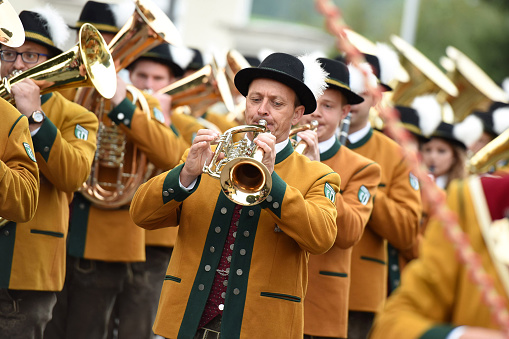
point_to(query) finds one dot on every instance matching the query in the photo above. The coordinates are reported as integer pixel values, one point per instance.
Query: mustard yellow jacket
(436, 292)
(19, 174)
(326, 302)
(273, 242)
(33, 253)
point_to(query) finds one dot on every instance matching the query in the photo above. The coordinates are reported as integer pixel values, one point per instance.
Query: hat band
(100, 27)
(337, 83)
(412, 128)
(42, 38)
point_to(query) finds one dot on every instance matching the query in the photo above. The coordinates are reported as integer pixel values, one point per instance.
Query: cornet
(301, 146)
(245, 180)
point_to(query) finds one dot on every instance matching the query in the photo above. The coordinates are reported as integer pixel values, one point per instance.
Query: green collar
(284, 153)
(45, 97)
(361, 142)
(331, 151)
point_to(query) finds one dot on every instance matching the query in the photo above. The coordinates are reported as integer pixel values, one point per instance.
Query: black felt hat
(410, 121)
(197, 61)
(165, 55)
(42, 29)
(375, 65)
(99, 14)
(339, 79)
(284, 68)
(495, 120)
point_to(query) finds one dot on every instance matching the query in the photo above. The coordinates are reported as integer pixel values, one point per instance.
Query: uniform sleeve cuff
(276, 196)
(438, 332)
(172, 189)
(44, 139)
(123, 113)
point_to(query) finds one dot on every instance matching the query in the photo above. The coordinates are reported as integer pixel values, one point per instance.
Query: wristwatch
(36, 117)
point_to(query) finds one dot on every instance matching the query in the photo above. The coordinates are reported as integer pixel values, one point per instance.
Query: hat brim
(351, 97)
(245, 76)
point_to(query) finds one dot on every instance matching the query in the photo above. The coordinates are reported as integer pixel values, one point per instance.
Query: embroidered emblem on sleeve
(81, 132)
(29, 151)
(363, 195)
(158, 115)
(414, 182)
(329, 192)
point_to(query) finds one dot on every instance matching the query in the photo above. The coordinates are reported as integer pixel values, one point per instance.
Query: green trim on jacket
(7, 240)
(331, 151)
(361, 142)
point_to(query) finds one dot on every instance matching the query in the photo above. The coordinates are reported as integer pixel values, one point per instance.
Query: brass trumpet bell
(87, 64)
(244, 179)
(477, 91)
(301, 146)
(12, 33)
(425, 77)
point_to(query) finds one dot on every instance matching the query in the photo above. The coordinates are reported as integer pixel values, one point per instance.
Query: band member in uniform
(64, 138)
(103, 241)
(437, 297)
(241, 271)
(326, 302)
(396, 210)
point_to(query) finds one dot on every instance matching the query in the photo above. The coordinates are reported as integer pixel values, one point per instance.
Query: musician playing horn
(32, 265)
(326, 303)
(242, 271)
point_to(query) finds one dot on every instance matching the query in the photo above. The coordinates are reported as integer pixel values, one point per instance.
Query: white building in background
(219, 25)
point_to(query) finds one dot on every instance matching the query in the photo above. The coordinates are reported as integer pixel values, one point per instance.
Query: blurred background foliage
(478, 28)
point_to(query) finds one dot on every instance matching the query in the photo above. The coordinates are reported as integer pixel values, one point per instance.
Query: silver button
(269, 198)
(207, 268)
(396, 282)
(239, 272)
(212, 249)
(231, 247)
(237, 223)
(120, 116)
(82, 206)
(246, 234)
(229, 258)
(227, 270)
(236, 291)
(171, 190)
(165, 193)
(225, 282)
(251, 213)
(221, 307)
(240, 211)
(217, 229)
(126, 121)
(394, 267)
(224, 210)
(235, 234)
(242, 252)
(46, 149)
(6, 233)
(275, 205)
(223, 295)
(201, 287)
(393, 252)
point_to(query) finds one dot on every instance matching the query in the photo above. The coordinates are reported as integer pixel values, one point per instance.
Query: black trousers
(359, 324)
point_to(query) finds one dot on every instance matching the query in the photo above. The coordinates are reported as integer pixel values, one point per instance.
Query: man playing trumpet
(242, 271)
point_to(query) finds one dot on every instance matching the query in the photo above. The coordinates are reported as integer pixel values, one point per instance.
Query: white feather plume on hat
(181, 55)
(57, 28)
(469, 130)
(505, 86)
(357, 78)
(501, 119)
(429, 112)
(122, 12)
(389, 62)
(314, 75)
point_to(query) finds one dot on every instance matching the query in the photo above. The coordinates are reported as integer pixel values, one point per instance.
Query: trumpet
(244, 179)
(301, 146)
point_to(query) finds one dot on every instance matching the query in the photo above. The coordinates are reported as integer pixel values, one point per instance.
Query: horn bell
(12, 33)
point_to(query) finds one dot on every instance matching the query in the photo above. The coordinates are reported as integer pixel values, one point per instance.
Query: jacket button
(207, 268)
(165, 193)
(171, 190)
(236, 291)
(269, 198)
(212, 249)
(217, 229)
(201, 287)
(275, 205)
(239, 272)
(46, 149)
(6, 233)
(120, 116)
(246, 234)
(242, 252)
(251, 213)
(224, 210)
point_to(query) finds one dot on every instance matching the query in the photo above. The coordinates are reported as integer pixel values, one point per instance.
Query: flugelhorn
(244, 179)
(12, 33)
(488, 156)
(87, 64)
(477, 91)
(301, 146)
(115, 175)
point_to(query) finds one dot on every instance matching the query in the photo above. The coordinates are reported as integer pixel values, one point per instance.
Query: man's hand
(311, 139)
(120, 93)
(199, 154)
(165, 102)
(481, 333)
(267, 142)
(27, 95)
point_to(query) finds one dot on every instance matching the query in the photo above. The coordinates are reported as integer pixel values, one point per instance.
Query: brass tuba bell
(245, 180)
(489, 155)
(87, 64)
(477, 91)
(114, 178)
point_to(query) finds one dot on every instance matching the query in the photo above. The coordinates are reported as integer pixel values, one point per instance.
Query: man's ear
(297, 114)
(345, 110)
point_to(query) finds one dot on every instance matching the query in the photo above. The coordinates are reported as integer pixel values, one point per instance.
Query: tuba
(245, 180)
(424, 76)
(114, 176)
(301, 146)
(477, 91)
(87, 64)
(489, 155)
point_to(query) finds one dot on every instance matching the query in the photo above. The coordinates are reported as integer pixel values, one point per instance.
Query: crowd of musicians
(110, 227)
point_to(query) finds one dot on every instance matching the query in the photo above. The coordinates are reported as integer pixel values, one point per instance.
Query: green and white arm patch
(29, 151)
(414, 182)
(363, 195)
(329, 192)
(81, 132)
(158, 115)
